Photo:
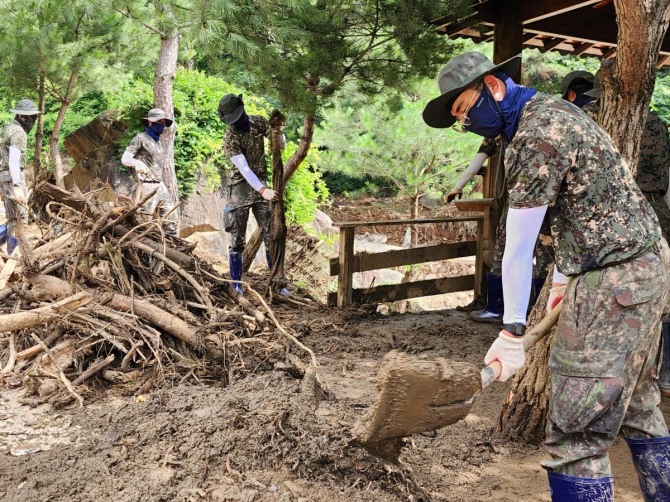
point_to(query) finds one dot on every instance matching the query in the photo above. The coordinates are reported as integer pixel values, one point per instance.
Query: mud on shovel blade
(417, 395)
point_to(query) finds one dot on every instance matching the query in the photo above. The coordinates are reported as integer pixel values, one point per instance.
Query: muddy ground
(273, 436)
(278, 435)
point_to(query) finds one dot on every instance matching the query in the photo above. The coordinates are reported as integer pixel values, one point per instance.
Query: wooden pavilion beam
(528, 11)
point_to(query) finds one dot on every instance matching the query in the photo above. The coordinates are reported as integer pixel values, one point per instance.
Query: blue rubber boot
(664, 377)
(3, 233)
(495, 305)
(236, 267)
(651, 457)
(566, 488)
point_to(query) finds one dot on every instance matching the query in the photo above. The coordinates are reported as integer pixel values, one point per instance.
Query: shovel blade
(417, 395)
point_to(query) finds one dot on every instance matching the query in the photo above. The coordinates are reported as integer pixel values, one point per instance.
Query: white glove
(556, 294)
(269, 194)
(19, 195)
(508, 351)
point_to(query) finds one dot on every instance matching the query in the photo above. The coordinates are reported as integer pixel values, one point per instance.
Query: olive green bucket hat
(231, 108)
(156, 114)
(597, 89)
(25, 107)
(573, 76)
(457, 75)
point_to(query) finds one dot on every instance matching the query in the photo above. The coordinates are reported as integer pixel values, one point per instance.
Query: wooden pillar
(507, 42)
(346, 259)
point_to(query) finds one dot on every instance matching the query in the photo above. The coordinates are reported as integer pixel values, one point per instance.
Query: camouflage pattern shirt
(251, 145)
(560, 157)
(12, 135)
(652, 169)
(144, 148)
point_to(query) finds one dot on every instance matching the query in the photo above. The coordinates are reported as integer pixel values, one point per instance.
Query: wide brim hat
(25, 107)
(595, 92)
(457, 75)
(231, 108)
(156, 114)
(571, 77)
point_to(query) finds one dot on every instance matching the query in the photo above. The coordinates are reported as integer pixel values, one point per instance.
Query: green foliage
(387, 138)
(305, 190)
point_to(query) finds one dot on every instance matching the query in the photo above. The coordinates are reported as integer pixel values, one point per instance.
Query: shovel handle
(493, 370)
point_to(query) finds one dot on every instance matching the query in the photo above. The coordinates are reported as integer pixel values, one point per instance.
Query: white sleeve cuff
(523, 227)
(558, 277)
(241, 163)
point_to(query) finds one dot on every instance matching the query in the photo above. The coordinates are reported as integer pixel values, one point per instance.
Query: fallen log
(153, 315)
(42, 315)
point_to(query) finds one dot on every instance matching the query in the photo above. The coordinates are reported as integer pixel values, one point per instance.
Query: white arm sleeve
(559, 278)
(241, 163)
(666, 197)
(128, 160)
(523, 227)
(475, 165)
(15, 165)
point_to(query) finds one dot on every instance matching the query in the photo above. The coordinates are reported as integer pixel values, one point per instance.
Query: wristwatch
(517, 329)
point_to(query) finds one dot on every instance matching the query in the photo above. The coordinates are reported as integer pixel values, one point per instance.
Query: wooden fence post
(346, 259)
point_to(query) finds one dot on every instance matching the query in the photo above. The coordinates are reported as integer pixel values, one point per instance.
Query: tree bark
(39, 133)
(59, 175)
(628, 81)
(524, 414)
(290, 167)
(166, 69)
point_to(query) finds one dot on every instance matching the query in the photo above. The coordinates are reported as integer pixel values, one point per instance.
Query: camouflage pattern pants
(235, 222)
(161, 201)
(8, 206)
(542, 254)
(604, 363)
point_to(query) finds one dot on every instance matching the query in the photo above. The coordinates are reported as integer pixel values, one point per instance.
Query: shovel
(418, 395)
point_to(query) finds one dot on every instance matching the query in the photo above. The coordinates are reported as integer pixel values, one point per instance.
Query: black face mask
(27, 121)
(243, 124)
(582, 100)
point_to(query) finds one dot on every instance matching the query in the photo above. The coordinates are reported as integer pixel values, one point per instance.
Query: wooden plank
(476, 204)
(479, 264)
(363, 262)
(418, 221)
(344, 278)
(533, 10)
(407, 290)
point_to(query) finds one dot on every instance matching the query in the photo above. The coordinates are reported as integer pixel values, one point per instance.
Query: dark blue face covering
(490, 118)
(485, 116)
(155, 130)
(582, 100)
(242, 124)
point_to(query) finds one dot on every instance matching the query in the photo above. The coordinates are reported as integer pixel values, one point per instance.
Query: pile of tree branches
(102, 295)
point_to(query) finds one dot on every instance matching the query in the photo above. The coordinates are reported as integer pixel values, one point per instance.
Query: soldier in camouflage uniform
(244, 145)
(14, 141)
(652, 177)
(606, 238)
(145, 154)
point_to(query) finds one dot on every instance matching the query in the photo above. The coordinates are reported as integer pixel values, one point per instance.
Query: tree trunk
(291, 166)
(524, 414)
(277, 220)
(627, 86)
(59, 175)
(166, 70)
(39, 133)
(628, 81)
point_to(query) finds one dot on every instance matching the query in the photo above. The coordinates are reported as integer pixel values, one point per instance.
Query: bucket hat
(595, 92)
(457, 75)
(25, 107)
(571, 77)
(231, 108)
(156, 114)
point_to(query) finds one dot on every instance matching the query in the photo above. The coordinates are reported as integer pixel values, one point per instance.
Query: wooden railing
(347, 263)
